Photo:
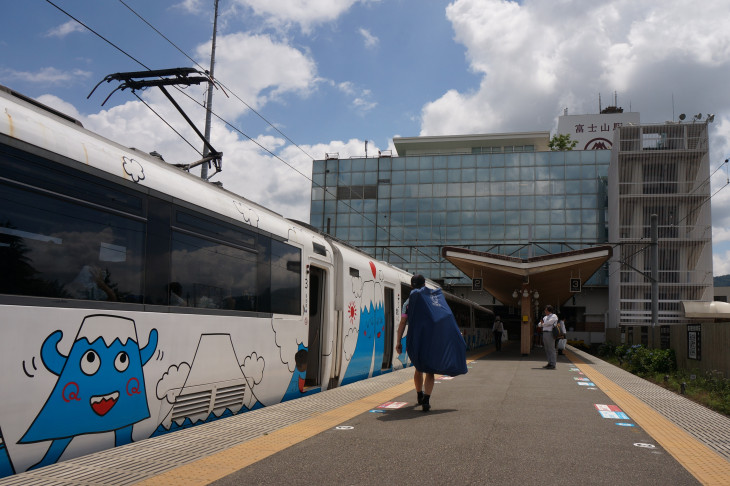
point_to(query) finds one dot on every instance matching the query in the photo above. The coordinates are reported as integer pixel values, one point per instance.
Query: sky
(302, 78)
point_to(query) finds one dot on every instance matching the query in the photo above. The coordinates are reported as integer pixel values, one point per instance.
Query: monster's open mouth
(101, 404)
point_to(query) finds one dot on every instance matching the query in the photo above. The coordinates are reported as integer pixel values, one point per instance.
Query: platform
(507, 422)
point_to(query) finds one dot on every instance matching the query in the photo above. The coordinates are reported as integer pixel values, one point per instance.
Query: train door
(317, 314)
(389, 329)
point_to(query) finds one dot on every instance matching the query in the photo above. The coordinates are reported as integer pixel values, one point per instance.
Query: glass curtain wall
(404, 209)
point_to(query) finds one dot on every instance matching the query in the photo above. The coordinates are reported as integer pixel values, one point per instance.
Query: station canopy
(556, 277)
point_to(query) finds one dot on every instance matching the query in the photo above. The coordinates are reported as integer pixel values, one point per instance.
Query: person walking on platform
(497, 330)
(548, 322)
(422, 381)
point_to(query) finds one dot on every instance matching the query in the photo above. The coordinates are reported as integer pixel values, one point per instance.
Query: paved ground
(507, 421)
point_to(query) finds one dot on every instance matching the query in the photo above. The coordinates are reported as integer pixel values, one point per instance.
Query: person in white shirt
(497, 330)
(548, 322)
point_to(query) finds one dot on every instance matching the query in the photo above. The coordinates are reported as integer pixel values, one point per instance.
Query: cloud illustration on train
(350, 343)
(288, 336)
(250, 216)
(172, 382)
(253, 369)
(133, 169)
(357, 286)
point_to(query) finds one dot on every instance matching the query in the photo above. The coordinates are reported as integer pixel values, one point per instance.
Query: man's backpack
(434, 341)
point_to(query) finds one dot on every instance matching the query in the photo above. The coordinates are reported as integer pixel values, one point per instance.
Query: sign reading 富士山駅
(594, 132)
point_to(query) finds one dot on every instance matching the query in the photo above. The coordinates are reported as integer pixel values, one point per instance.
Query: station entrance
(530, 284)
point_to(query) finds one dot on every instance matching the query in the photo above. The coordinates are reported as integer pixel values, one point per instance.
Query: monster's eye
(121, 362)
(90, 362)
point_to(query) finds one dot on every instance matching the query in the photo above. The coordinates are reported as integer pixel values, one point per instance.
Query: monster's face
(104, 379)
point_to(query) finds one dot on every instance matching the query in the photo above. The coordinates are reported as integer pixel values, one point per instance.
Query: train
(137, 299)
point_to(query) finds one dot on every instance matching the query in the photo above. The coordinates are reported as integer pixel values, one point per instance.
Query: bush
(606, 350)
(641, 361)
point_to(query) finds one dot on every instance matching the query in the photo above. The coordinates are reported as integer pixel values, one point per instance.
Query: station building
(504, 221)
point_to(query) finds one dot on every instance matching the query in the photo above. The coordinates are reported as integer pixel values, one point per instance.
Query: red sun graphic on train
(372, 268)
(352, 312)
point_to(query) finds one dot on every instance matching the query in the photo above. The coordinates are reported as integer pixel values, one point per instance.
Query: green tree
(562, 142)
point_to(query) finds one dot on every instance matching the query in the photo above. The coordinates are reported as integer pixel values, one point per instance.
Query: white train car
(137, 299)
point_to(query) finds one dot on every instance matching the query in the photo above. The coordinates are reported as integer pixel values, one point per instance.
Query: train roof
(32, 122)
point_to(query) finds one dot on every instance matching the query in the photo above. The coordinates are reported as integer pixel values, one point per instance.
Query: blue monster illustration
(100, 386)
(296, 385)
(6, 467)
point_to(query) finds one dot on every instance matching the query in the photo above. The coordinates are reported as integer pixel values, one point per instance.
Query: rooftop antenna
(209, 103)
(599, 103)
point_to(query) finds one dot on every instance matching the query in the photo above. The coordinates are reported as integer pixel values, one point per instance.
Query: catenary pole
(209, 103)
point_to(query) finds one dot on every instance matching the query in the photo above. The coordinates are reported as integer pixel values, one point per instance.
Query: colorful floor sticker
(446, 377)
(586, 383)
(611, 411)
(392, 405)
(581, 379)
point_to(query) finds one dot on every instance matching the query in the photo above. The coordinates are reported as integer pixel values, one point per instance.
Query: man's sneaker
(420, 397)
(426, 406)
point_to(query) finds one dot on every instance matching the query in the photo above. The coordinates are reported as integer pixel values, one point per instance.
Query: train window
(212, 275)
(216, 229)
(286, 278)
(31, 170)
(51, 247)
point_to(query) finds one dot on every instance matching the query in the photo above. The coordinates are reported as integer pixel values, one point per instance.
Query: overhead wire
(263, 118)
(225, 121)
(126, 54)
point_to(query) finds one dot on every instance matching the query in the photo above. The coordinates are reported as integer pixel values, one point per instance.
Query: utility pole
(209, 104)
(654, 274)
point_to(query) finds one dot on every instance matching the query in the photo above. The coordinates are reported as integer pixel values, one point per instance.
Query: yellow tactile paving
(702, 462)
(221, 464)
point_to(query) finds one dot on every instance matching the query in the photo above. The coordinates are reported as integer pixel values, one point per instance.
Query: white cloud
(48, 76)
(58, 104)
(721, 263)
(304, 13)
(258, 70)
(361, 98)
(537, 57)
(65, 29)
(370, 39)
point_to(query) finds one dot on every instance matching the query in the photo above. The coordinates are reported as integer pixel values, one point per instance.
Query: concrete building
(664, 170)
(450, 207)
